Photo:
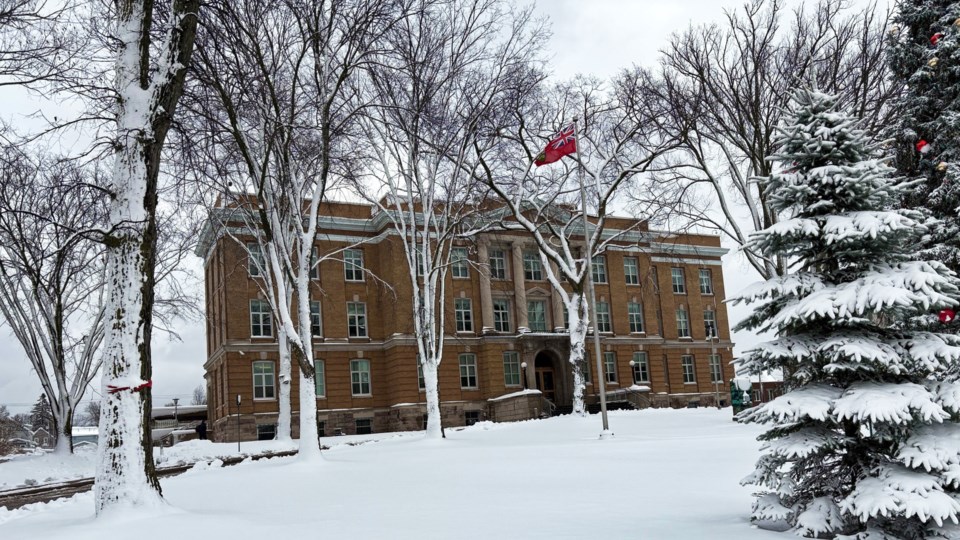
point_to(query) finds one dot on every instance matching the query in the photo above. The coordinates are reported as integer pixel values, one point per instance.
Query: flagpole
(592, 298)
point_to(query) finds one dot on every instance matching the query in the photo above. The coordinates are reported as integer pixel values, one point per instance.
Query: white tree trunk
(579, 320)
(431, 386)
(63, 415)
(286, 380)
(309, 436)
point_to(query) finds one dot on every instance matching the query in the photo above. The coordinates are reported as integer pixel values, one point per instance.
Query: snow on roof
(79, 431)
(182, 409)
(528, 391)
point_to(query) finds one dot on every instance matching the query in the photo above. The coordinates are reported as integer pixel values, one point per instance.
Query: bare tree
(199, 396)
(92, 413)
(726, 86)
(52, 277)
(33, 46)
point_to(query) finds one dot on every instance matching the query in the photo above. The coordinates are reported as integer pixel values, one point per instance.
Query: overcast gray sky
(597, 37)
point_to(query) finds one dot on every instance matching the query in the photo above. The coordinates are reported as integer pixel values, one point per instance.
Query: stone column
(557, 302)
(519, 288)
(486, 300)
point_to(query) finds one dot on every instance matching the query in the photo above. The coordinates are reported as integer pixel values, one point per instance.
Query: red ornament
(935, 38)
(947, 315)
(923, 146)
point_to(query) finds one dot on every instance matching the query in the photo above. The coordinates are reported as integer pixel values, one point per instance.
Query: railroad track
(15, 498)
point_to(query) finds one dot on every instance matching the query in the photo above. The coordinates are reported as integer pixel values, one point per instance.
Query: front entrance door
(545, 377)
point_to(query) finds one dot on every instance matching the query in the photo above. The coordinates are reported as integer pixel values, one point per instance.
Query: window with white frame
(264, 380)
(603, 317)
(635, 317)
(598, 268)
(683, 324)
(631, 271)
(320, 378)
(356, 319)
(716, 374)
(511, 368)
(463, 314)
(421, 382)
(679, 284)
(468, 371)
(710, 323)
(459, 263)
(706, 281)
(501, 315)
(498, 264)
(610, 366)
(314, 265)
(689, 373)
(532, 266)
(641, 367)
(537, 315)
(261, 321)
(256, 262)
(360, 377)
(353, 265)
(316, 327)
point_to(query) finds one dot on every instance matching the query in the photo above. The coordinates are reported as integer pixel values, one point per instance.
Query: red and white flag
(562, 144)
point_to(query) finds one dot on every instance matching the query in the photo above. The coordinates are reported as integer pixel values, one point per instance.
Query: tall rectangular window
(689, 373)
(360, 377)
(468, 371)
(501, 315)
(603, 317)
(421, 382)
(356, 319)
(631, 271)
(683, 325)
(586, 367)
(463, 313)
(264, 380)
(706, 281)
(598, 268)
(498, 264)
(511, 368)
(256, 263)
(610, 366)
(679, 284)
(314, 265)
(710, 323)
(320, 378)
(532, 266)
(459, 265)
(641, 367)
(261, 321)
(635, 316)
(353, 265)
(316, 327)
(537, 315)
(716, 374)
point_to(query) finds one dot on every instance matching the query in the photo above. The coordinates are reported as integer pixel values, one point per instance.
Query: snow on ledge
(639, 388)
(526, 392)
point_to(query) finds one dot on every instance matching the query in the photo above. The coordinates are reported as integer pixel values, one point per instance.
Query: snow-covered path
(667, 474)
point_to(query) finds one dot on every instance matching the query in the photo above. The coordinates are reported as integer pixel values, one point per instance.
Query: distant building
(659, 296)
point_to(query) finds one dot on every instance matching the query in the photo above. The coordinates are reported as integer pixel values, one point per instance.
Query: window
(314, 266)
(683, 325)
(463, 312)
(635, 316)
(501, 315)
(716, 374)
(631, 272)
(320, 378)
(260, 319)
(360, 377)
(256, 263)
(419, 263)
(266, 432)
(511, 368)
(706, 281)
(586, 368)
(709, 323)
(610, 366)
(689, 375)
(532, 266)
(498, 264)
(458, 263)
(603, 317)
(468, 371)
(471, 417)
(315, 326)
(356, 319)
(421, 382)
(321, 428)
(364, 426)
(676, 276)
(353, 265)
(598, 268)
(263, 380)
(537, 315)
(641, 368)
(566, 316)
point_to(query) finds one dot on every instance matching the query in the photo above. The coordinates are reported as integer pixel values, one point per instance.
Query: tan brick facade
(394, 401)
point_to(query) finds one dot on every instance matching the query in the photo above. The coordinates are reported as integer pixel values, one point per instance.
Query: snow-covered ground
(666, 474)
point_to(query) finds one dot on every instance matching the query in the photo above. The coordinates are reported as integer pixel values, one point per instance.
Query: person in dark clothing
(201, 430)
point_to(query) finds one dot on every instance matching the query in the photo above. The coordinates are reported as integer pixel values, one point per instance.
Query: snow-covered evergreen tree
(865, 442)
(924, 53)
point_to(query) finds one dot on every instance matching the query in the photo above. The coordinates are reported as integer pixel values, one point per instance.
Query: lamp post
(176, 417)
(238, 423)
(523, 374)
(713, 356)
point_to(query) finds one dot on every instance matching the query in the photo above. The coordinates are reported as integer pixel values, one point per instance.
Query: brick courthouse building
(659, 297)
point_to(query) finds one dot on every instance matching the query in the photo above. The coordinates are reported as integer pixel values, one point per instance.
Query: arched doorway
(546, 375)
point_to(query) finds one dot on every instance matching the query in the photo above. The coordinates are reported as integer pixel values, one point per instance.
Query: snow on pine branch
(896, 490)
(892, 403)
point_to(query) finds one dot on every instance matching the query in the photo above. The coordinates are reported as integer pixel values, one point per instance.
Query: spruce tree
(864, 444)
(924, 55)
(41, 415)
